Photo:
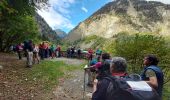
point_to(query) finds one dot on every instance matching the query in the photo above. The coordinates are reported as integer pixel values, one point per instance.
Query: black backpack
(119, 89)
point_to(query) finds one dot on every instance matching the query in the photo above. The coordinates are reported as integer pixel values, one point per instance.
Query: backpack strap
(113, 85)
(111, 79)
(114, 80)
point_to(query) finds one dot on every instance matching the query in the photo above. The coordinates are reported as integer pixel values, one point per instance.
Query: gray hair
(118, 64)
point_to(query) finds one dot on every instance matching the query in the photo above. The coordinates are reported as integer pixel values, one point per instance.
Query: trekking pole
(84, 87)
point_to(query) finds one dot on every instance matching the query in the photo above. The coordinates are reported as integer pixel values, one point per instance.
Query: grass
(48, 73)
(166, 92)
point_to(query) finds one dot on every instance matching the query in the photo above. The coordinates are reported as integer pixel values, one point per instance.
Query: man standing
(152, 74)
(29, 53)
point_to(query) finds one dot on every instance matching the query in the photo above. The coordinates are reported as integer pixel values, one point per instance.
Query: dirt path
(14, 84)
(72, 88)
(69, 61)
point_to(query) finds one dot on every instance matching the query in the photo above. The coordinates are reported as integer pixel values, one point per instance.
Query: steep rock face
(131, 16)
(46, 31)
(60, 33)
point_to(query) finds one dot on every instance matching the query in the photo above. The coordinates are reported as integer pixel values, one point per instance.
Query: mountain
(60, 33)
(132, 16)
(46, 32)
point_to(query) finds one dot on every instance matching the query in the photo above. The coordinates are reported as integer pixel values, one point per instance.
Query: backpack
(119, 89)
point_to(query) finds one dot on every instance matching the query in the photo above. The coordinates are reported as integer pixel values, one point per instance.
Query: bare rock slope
(130, 16)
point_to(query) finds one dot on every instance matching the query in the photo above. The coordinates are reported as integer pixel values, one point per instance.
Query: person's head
(105, 56)
(118, 64)
(150, 60)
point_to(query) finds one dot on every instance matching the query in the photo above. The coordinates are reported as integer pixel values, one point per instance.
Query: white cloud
(58, 14)
(163, 1)
(84, 9)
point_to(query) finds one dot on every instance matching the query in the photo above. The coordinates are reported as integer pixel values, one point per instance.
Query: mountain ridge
(46, 32)
(133, 16)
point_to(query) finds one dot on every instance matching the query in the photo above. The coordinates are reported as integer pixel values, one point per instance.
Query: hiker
(105, 58)
(118, 69)
(29, 50)
(98, 52)
(25, 48)
(46, 50)
(68, 52)
(43, 48)
(36, 54)
(72, 52)
(79, 53)
(41, 51)
(19, 50)
(121, 86)
(152, 74)
(99, 67)
(91, 71)
(90, 54)
(52, 50)
(104, 68)
(58, 51)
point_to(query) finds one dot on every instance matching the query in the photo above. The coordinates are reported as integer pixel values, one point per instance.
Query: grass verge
(48, 73)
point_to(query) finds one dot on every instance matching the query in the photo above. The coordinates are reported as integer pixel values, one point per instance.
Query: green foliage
(17, 22)
(109, 47)
(166, 92)
(98, 42)
(135, 47)
(16, 29)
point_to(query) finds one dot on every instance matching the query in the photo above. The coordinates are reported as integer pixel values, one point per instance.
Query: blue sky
(66, 14)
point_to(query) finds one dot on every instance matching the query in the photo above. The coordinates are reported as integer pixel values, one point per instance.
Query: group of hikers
(35, 52)
(102, 70)
(73, 52)
(114, 71)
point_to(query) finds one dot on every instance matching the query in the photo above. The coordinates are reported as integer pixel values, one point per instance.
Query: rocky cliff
(130, 16)
(60, 33)
(46, 32)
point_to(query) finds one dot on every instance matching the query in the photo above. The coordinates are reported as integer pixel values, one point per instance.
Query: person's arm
(152, 78)
(95, 85)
